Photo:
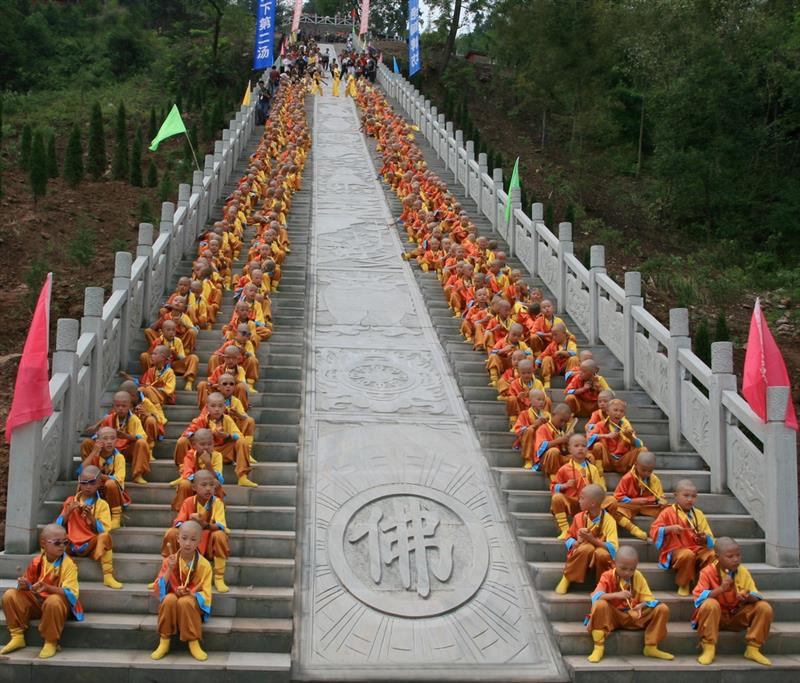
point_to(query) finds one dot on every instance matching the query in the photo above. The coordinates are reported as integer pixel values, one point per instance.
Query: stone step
(503, 457)
(548, 549)
(231, 634)
(542, 524)
(160, 516)
(519, 500)
(574, 639)
(506, 439)
(143, 567)
(515, 478)
(266, 415)
(102, 665)
(499, 421)
(636, 413)
(768, 578)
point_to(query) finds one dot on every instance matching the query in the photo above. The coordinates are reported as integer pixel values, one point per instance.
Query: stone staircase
(250, 633)
(528, 500)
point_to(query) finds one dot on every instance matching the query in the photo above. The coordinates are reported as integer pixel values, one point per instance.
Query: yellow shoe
(110, 581)
(245, 481)
(251, 389)
(162, 650)
(563, 586)
(683, 591)
(139, 480)
(707, 655)
(599, 638)
(754, 654)
(220, 586)
(196, 651)
(48, 650)
(219, 575)
(17, 641)
(189, 386)
(636, 532)
(253, 461)
(653, 651)
(175, 482)
(116, 518)
(563, 535)
(527, 466)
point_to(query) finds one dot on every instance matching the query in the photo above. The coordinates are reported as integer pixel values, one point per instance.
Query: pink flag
(31, 399)
(298, 10)
(364, 17)
(764, 367)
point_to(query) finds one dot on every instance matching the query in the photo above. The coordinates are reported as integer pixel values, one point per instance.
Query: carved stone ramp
(409, 567)
(527, 502)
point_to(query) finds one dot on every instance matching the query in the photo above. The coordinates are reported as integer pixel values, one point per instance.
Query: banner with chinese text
(265, 35)
(414, 54)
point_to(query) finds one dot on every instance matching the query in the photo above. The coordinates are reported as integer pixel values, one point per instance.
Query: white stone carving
(746, 472)
(578, 302)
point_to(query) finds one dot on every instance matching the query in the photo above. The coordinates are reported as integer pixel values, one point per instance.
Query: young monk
(231, 365)
(131, 438)
(507, 378)
(500, 356)
(560, 356)
(541, 333)
(613, 441)
(622, 599)
(639, 492)
(150, 414)
(202, 456)
(248, 358)
(48, 590)
(183, 590)
(176, 311)
(683, 537)
(228, 440)
(209, 512)
(601, 413)
(591, 540)
(226, 385)
(158, 383)
(726, 598)
(87, 519)
(181, 363)
(105, 456)
(546, 449)
(569, 481)
(583, 388)
(531, 419)
(520, 388)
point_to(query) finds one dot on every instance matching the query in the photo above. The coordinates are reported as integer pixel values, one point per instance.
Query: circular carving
(408, 550)
(378, 376)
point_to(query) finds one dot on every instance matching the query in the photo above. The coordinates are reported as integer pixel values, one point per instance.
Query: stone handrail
(90, 353)
(756, 461)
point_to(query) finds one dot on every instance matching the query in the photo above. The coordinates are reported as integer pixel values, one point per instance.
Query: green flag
(173, 125)
(514, 183)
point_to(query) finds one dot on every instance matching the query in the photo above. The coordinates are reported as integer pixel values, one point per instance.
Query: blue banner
(414, 53)
(263, 56)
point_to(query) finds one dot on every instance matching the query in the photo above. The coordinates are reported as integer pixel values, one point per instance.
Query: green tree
(165, 188)
(73, 159)
(144, 210)
(721, 332)
(702, 342)
(152, 129)
(1, 146)
(25, 144)
(207, 125)
(97, 161)
(52, 158)
(136, 159)
(152, 174)
(38, 172)
(121, 165)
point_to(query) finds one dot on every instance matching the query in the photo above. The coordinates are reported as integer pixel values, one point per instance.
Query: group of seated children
(195, 548)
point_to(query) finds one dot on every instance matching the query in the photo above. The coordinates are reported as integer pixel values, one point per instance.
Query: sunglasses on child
(58, 542)
(87, 482)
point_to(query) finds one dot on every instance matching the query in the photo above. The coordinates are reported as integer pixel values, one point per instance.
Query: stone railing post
(483, 167)
(433, 139)
(166, 226)
(722, 379)
(516, 203)
(219, 158)
(65, 359)
(92, 321)
(565, 247)
(208, 170)
(497, 209)
(448, 133)
(678, 339)
(123, 261)
(145, 248)
(197, 189)
(633, 297)
(537, 218)
(597, 266)
(470, 145)
(441, 139)
(24, 481)
(187, 235)
(226, 155)
(459, 169)
(780, 455)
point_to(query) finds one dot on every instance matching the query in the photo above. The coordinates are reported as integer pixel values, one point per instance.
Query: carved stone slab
(409, 568)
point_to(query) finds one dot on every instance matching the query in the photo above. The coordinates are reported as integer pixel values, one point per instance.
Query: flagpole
(192, 148)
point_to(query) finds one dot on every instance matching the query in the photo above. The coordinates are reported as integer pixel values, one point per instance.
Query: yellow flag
(247, 93)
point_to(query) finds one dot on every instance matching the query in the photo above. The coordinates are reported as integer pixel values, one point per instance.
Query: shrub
(136, 159)
(152, 174)
(97, 161)
(38, 162)
(25, 147)
(121, 168)
(73, 160)
(701, 344)
(52, 158)
(82, 247)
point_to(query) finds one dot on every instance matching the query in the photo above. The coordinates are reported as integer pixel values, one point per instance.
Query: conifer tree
(721, 332)
(1, 146)
(207, 125)
(73, 159)
(97, 161)
(153, 128)
(165, 187)
(136, 159)
(152, 174)
(702, 342)
(121, 168)
(25, 147)
(52, 158)
(38, 173)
